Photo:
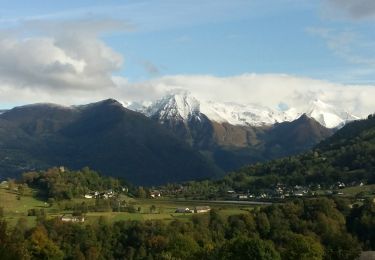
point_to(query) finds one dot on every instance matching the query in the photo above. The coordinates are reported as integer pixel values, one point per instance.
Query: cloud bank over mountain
(68, 62)
(271, 90)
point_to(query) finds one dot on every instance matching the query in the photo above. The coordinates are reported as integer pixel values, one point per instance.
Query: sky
(248, 51)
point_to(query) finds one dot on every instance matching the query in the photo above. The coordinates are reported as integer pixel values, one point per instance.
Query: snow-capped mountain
(177, 105)
(238, 114)
(327, 115)
(181, 105)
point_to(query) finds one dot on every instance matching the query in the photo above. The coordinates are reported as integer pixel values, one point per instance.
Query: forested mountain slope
(347, 156)
(103, 135)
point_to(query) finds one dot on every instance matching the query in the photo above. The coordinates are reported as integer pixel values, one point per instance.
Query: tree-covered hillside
(348, 156)
(104, 136)
(61, 183)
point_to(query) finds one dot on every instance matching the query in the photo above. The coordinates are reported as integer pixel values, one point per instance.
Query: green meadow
(16, 207)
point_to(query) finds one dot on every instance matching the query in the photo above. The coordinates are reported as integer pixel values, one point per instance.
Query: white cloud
(71, 65)
(264, 89)
(69, 55)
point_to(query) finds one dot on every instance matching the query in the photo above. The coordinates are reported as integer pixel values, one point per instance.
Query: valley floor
(16, 206)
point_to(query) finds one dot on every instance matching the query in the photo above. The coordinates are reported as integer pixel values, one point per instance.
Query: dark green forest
(301, 229)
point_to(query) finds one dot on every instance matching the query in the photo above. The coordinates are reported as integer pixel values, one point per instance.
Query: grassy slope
(15, 209)
(8, 200)
(352, 191)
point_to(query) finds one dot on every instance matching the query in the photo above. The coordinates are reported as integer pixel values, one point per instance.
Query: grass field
(13, 205)
(366, 189)
(16, 207)
(165, 210)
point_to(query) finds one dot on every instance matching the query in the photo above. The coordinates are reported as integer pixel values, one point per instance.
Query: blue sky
(81, 51)
(221, 38)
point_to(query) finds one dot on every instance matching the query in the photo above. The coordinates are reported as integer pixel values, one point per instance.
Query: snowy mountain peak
(237, 114)
(176, 105)
(181, 105)
(328, 115)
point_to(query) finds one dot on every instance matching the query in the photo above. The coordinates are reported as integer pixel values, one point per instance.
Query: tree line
(301, 229)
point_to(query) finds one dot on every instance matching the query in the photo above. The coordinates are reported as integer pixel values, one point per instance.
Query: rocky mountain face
(233, 135)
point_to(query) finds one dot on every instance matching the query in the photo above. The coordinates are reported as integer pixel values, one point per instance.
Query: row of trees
(303, 229)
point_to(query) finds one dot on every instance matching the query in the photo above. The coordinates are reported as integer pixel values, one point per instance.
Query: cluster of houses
(282, 191)
(105, 194)
(71, 218)
(100, 195)
(198, 209)
(277, 193)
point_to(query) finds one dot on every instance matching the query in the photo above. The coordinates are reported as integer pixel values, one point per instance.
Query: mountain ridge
(345, 157)
(181, 105)
(108, 136)
(232, 145)
(102, 135)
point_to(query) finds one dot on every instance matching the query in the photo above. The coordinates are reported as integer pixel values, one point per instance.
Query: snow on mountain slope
(327, 115)
(237, 114)
(181, 105)
(137, 106)
(176, 105)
